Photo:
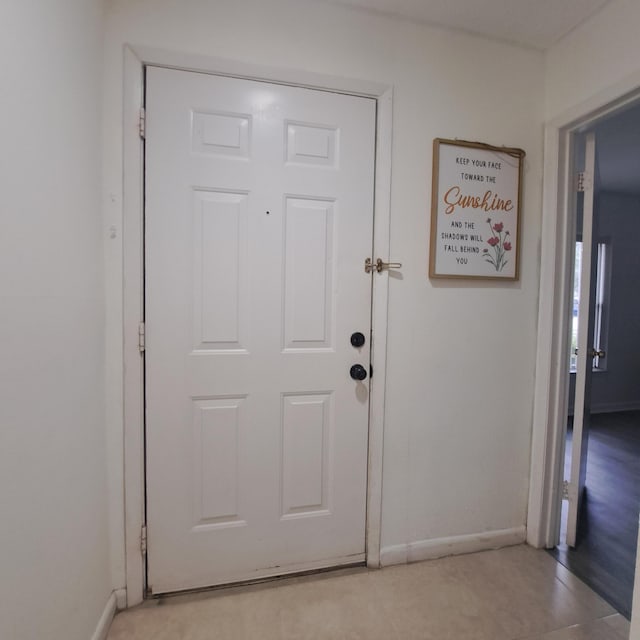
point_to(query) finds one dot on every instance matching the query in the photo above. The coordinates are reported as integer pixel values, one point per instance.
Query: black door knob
(357, 339)
(358, 372)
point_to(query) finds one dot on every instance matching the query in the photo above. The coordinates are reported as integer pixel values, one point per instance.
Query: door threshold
(243, 586)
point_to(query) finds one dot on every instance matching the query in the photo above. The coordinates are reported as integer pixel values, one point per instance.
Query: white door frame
(552, 362)
(135, 61)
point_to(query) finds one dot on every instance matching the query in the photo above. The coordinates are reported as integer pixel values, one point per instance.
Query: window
(601, 293)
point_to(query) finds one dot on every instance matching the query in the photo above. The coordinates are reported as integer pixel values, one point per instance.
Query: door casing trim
(135, 60)
(551, 392)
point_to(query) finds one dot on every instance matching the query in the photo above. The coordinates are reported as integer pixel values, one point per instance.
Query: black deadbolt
(358, 372)
(357, 339)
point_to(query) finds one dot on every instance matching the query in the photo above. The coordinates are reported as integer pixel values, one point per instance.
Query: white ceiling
(533, 23)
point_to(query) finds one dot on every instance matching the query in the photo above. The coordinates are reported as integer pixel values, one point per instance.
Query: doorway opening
(136, 61)
(256, 200)
(599, 517)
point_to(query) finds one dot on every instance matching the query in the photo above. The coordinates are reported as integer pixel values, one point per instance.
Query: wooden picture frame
(476, 200)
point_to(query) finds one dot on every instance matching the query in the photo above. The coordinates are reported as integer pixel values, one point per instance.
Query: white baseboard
(105, 619)
(396, 554)
(121, 599)
(454, 545)
(612, 407)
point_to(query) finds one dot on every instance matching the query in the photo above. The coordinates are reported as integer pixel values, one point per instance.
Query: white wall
(461, 356)
(54, 561)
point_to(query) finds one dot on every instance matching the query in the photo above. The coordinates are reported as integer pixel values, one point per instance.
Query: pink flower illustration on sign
(500, 245)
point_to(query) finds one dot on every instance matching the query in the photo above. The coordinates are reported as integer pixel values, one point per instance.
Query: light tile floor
(516, 593)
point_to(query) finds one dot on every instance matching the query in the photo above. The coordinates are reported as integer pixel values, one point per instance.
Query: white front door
(258, 218)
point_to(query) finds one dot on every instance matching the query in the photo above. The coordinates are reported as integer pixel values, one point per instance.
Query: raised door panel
(217, 425)
(220, 270)
(307, 423)
(308, 273)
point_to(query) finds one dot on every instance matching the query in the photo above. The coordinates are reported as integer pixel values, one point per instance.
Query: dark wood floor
(605, 553)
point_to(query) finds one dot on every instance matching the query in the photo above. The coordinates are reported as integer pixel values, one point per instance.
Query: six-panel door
(258, 218)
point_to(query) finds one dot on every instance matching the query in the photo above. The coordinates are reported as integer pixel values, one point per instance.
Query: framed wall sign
(475, 210)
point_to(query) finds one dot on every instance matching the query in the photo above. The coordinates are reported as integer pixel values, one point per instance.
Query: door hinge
(142, 123)
(141, 338)
(565, 489)
(143, 540)
(584, 180)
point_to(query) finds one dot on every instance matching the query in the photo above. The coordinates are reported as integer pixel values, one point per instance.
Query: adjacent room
(605, 397)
